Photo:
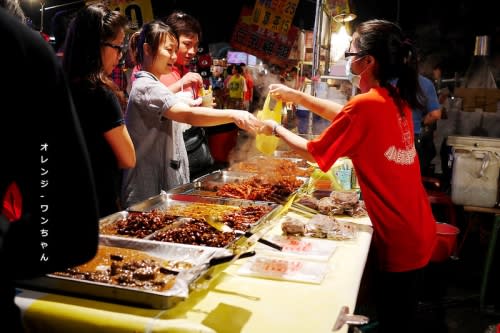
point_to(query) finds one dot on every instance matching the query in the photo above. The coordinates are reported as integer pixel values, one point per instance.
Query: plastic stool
(491, 247)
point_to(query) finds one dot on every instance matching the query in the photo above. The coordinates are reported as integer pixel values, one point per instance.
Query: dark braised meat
(125, 267)
(139, 224)
(196, 232)
(246, 217)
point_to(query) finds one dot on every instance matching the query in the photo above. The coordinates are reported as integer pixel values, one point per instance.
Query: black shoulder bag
(200, 158)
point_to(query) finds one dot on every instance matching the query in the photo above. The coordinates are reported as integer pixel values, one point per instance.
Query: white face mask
(355, 79)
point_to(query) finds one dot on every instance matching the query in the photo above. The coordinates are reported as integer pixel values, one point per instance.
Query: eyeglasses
(352, 54)
(119, 48)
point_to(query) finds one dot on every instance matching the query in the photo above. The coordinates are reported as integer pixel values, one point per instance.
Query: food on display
(199, 210)
(283, 268)
(319, 226)
(289, 154)
(336, 203)
(245, 217)
(196, 231)
(323, 226)
(135, 271)
(293, 227)
(128, 268)
(261, 188)
(278, 166)
(138, 224)
(304, 247)
(308, 201)
(182, 222)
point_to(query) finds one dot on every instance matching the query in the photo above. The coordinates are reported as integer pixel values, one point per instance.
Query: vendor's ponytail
(396, 60)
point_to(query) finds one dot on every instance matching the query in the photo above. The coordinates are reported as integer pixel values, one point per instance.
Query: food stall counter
(229, 302)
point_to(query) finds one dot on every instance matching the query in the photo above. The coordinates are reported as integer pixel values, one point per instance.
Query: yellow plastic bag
(267, 144)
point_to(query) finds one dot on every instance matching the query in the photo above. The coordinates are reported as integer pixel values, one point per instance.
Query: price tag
(285, 269)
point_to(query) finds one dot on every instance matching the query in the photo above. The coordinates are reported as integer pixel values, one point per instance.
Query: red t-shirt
(166, 79)
(171, 78)
(248, 95)
(176, 75)
(371, 132)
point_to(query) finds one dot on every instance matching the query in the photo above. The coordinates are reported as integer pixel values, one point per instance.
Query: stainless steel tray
(185, 280)
(166, 199)
(268, 164)
(208, 185)
(286, 154)
(173, 204)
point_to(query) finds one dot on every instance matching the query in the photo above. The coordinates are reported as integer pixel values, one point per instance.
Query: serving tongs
(295, 206)
(222, 227)
(212, 262)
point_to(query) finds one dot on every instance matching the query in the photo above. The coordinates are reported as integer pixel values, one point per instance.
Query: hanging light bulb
(340, 40)
(339, 43)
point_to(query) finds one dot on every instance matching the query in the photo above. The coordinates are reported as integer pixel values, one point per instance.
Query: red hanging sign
(262, 42)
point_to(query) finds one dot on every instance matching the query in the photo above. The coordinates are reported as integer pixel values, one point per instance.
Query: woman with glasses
(93, 47)
(375, 130)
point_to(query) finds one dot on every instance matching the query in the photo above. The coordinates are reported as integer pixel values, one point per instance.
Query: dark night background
(444, 31)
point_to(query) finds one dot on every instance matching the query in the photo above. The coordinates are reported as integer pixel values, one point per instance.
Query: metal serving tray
(170, 203)
(208, 185)
(166, 199)
(185, 280)
(286, 154)
(273, 164)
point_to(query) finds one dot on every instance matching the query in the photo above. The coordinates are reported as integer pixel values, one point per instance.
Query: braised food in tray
(138, 224)
(134, 271)
(185, 223)
(128, 268)
(196, 231)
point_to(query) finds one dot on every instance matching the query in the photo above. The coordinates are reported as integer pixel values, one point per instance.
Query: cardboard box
(478, 98)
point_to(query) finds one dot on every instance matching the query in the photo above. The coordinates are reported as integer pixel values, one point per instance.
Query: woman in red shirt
(374, 129)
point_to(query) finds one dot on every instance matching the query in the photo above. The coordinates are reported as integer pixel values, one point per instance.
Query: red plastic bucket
(446, 242)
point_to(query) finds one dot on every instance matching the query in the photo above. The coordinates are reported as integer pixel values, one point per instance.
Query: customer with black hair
(94, 45)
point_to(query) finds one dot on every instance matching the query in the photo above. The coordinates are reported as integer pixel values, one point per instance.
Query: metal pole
(64, 4)
(317, 40)
(42, 9)
(316, 57)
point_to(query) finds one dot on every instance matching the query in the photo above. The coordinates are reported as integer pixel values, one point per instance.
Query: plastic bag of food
(267, 144)
(323, 226)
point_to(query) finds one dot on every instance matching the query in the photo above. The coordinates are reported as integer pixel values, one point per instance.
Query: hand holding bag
(267, 144)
